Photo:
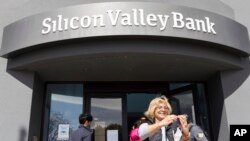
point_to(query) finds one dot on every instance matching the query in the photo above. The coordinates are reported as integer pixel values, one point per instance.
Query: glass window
(107, 113)
(182, 103)
(66, 103)
(202, 107)
(191, 100)
(138, 102)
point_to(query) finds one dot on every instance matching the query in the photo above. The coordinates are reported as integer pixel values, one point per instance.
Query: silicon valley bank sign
(137, 17)
(111, 19)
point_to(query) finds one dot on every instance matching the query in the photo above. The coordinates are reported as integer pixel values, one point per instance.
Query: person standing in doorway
(83, 133)
(163, 125)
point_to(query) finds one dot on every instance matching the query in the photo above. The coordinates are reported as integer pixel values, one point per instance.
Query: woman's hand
(184, 126)
(183, 121)
(168, 120)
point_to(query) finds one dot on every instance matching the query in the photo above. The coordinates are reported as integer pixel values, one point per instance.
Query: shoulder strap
(191, 126)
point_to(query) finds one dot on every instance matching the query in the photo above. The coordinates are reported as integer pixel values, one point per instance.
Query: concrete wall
(15, 95)
(236, 86)
(237, 99)
(228, 96)
(237, 105)
(236, 83)
(15, 103)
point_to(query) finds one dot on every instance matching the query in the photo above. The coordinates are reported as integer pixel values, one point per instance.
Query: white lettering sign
(137, 17)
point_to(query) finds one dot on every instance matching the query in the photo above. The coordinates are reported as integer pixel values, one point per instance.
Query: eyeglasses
(162, 107)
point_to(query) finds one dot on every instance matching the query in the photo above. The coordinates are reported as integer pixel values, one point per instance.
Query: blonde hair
(153, 105)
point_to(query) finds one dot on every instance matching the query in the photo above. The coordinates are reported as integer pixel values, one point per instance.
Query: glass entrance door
(137, 104)
(107, 116)
(116, 106)
(63, 106)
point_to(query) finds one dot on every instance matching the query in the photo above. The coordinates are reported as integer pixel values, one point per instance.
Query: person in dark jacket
(83, 133)
(196, 132)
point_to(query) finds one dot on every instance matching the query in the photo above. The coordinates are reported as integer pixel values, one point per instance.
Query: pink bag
(134, 135)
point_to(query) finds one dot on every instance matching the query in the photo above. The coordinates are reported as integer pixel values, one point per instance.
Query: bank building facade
(110, 58)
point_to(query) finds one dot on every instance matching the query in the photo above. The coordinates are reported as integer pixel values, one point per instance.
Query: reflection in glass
(173, 86)
(182, 103)
(202, 108)
(137, 104)
(65, 106)
(191, 102)
(107, 113)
